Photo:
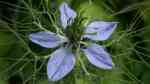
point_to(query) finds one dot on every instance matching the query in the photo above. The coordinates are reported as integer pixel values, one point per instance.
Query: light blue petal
(60, 64)
(46, 39)
(98, 56)
(67, 14)
(100, 30)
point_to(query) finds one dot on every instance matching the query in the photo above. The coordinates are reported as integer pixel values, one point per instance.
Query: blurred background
(22, 62)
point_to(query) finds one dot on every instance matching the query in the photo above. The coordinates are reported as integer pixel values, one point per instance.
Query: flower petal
(98, 56)
(46, 39)
(67, 14)
(100, 30)
(60, 64)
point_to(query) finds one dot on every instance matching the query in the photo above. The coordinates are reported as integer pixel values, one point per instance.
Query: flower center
(74, 32)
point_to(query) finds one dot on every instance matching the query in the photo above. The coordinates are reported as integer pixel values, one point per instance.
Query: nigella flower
(62, 61)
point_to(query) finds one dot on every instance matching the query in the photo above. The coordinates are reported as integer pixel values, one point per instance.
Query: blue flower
(62, 60)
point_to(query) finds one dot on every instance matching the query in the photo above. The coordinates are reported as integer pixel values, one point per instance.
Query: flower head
(62, 60)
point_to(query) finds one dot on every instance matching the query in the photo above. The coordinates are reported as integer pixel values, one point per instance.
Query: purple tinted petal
(60, 64)
(46, 39)
(67, 14)
(98, 56)
(100, 30)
